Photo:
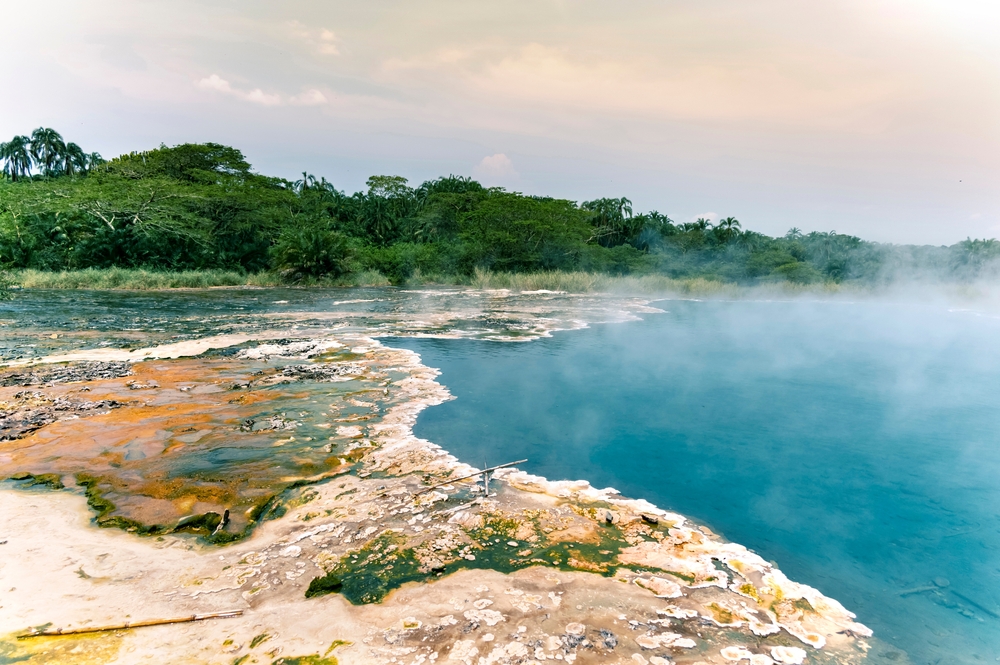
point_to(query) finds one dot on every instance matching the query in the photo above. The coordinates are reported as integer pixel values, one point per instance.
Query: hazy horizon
(880, 119)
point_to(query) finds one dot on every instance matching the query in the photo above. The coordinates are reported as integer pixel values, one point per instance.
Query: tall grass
(138, 279)
(696, 287)
(570, 282)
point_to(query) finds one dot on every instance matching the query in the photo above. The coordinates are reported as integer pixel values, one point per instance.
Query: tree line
(46, 153)
(201, 206)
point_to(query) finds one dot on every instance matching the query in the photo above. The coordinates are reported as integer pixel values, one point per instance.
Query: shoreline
(687, 591)
(982, 295)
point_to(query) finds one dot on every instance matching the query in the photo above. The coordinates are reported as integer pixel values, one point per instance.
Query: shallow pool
(857, 445)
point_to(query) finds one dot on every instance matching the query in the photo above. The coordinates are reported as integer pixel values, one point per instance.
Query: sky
(879, 118)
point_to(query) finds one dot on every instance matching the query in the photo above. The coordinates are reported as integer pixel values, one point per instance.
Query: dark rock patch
(31, 410)
(72, 373)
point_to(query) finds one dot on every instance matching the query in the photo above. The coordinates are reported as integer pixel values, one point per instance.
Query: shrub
(312, 252)
(798, 272)
(6, 284)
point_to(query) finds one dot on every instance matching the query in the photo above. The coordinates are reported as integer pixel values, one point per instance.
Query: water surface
(854, 444)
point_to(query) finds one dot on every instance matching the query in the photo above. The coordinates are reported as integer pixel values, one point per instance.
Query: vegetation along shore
(197, 215)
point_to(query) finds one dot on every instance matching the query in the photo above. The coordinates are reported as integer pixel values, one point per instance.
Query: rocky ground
(363, 530)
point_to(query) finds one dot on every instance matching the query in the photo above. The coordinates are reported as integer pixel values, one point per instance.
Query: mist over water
(855, 444)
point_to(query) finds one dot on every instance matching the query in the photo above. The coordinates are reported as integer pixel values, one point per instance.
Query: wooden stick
(471, 475)
(127, 625)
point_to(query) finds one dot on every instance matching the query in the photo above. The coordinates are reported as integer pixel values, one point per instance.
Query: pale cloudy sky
(874, 117)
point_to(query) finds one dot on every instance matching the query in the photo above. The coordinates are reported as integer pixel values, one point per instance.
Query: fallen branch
(128, 625)
(471, 475)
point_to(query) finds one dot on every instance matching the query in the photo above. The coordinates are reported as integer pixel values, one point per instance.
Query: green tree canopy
(196, 206)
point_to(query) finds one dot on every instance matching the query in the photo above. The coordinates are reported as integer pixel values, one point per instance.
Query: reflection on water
(855, 444)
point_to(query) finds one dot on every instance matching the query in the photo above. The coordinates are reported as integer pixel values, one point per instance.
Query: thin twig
(127, 625)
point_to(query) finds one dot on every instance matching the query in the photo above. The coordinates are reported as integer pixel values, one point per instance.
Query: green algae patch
(206, 524)
(104, 507)
(690, 579)
(337, 643)
(320, 586)
(211, 527)
(314, 659)
(495, 524)
(9, 653)
(804, 605)
(750, 590)
(370, 577)
(722, 615)
(338, 355)
(369, 574)
(50, 481)
(55, 650)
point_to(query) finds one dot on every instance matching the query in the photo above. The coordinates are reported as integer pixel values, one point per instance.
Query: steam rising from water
(709, 374)
(854, 442)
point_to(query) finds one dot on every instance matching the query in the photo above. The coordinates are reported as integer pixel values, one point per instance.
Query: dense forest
(201, 206)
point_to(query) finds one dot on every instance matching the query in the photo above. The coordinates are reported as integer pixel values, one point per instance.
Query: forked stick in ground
(471, 475)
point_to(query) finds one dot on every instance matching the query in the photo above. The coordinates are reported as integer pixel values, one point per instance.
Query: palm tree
(74, 160)
(307, 182)
(612, 221)
(977, 252)
(701, 224)
(750, 240)
(727, 228)
(378, 216)
(47, 149)
(16, 154)
(95, 159)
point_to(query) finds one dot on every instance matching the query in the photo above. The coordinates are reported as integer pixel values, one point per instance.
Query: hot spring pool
(855, 444)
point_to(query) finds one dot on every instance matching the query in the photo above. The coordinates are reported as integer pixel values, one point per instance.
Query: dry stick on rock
(471, 475)
(127, 625)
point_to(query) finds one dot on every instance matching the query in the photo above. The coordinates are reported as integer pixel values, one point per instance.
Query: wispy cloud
(496, 169)
(328, 43)
(311, 97)
(216, 83)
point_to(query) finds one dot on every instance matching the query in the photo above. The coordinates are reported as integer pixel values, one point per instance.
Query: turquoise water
(857, 445)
